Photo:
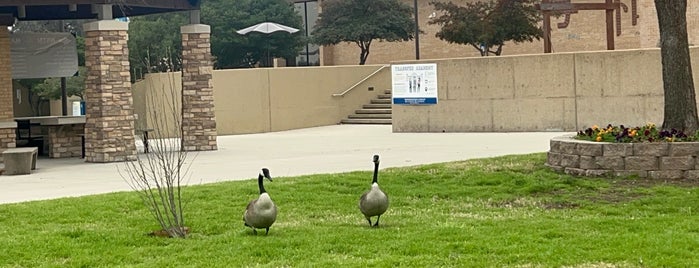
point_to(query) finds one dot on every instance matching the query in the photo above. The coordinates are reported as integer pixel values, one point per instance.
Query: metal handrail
(360, 81)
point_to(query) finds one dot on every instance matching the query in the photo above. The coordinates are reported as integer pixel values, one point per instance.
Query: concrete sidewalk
(289, 153)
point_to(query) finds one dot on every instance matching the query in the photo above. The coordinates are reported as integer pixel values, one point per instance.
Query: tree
(50, 88)
(155, 40)
(488, 25)
(363, 21)
(678, 84)
(155, 43)
(35, 100)
(233, 50)
(159, 176)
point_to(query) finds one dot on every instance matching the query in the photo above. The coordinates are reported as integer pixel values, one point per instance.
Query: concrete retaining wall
(268, 99)
(561, 92)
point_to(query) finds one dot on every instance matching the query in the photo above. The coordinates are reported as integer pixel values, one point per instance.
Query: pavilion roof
(83, 9)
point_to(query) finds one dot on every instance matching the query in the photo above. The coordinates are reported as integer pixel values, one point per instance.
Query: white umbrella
(267, 27)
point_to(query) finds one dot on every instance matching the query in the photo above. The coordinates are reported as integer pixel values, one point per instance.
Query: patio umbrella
(267, 28)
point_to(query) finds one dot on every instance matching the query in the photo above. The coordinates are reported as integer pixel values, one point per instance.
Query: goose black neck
(376, 173)
(260, 183)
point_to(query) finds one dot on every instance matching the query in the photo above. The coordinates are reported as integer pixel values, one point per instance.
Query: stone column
(198, 119)
(109, 127)
(7, 123)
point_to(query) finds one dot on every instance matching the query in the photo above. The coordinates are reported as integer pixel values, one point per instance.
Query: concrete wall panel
(547, 75)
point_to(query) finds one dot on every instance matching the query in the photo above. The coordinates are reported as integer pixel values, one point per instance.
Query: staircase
(377, 112)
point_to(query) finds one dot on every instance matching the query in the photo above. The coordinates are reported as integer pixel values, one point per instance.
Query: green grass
(499, 212)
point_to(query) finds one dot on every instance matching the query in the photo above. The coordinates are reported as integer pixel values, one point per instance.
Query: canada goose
(261, 212)
(374, 202)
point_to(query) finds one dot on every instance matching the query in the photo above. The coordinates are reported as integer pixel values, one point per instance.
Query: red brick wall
(586, 32)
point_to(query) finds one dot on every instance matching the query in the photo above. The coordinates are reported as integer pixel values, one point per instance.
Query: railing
(360, 81)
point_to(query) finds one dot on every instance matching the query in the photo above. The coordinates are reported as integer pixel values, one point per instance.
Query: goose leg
(254, 231)
(369, 220)
(377, 221)
(266, 230)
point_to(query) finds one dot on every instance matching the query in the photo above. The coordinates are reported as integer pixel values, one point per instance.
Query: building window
(310, 54)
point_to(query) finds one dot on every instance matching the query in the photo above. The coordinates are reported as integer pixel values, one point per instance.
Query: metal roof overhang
(83, 9)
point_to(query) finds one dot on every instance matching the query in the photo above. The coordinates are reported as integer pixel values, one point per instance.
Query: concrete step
(370, 116)
(367, 121)
(384, 96)
(387, 91)
(376, 106)
(373, 111)
(381, 101)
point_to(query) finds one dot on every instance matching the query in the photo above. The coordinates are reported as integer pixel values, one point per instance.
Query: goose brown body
(261, 213)
(374, 202)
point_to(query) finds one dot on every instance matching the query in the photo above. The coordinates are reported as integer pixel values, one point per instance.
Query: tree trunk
(678, 85)
(365, 51)
(498, 51)
(362, 56)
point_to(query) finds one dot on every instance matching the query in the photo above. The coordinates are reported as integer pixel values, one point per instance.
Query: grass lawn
(499, 212)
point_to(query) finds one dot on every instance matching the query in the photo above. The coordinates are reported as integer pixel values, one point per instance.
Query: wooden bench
(19, 161)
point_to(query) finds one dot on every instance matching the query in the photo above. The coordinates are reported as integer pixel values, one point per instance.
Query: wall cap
(106, 25)
(195, 29)
(8, 124)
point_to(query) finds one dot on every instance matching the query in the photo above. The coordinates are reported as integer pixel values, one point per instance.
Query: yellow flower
(632, 133)
(595, 127)
(669, 139)
(599, 138)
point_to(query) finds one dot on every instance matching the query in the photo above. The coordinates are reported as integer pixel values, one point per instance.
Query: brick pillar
(109, 129)
(7, 123)
(198, 119)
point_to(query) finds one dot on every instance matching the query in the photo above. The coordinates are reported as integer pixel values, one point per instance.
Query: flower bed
(656, 160)
(646, 133)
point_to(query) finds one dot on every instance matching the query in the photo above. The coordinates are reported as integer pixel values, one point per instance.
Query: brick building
(585, 32)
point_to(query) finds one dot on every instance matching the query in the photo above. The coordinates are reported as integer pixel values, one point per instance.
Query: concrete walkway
(289, 153)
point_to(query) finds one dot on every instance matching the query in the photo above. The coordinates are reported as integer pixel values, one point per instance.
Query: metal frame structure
(88, 9)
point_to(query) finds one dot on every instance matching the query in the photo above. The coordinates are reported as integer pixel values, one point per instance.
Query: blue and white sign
(414, 84)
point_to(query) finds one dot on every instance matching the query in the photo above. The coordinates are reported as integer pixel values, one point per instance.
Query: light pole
(417, 33)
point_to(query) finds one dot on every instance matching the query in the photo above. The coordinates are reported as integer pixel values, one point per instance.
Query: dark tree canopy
(362, 21)
(232, 50)
(680, 99)
(155, 43)
(155, 40)
(487, 25)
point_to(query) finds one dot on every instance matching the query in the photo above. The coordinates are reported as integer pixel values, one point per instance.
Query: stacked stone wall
(65, 140)
(661, 160)
(198, 118)
(109, 127)
(7, 140)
